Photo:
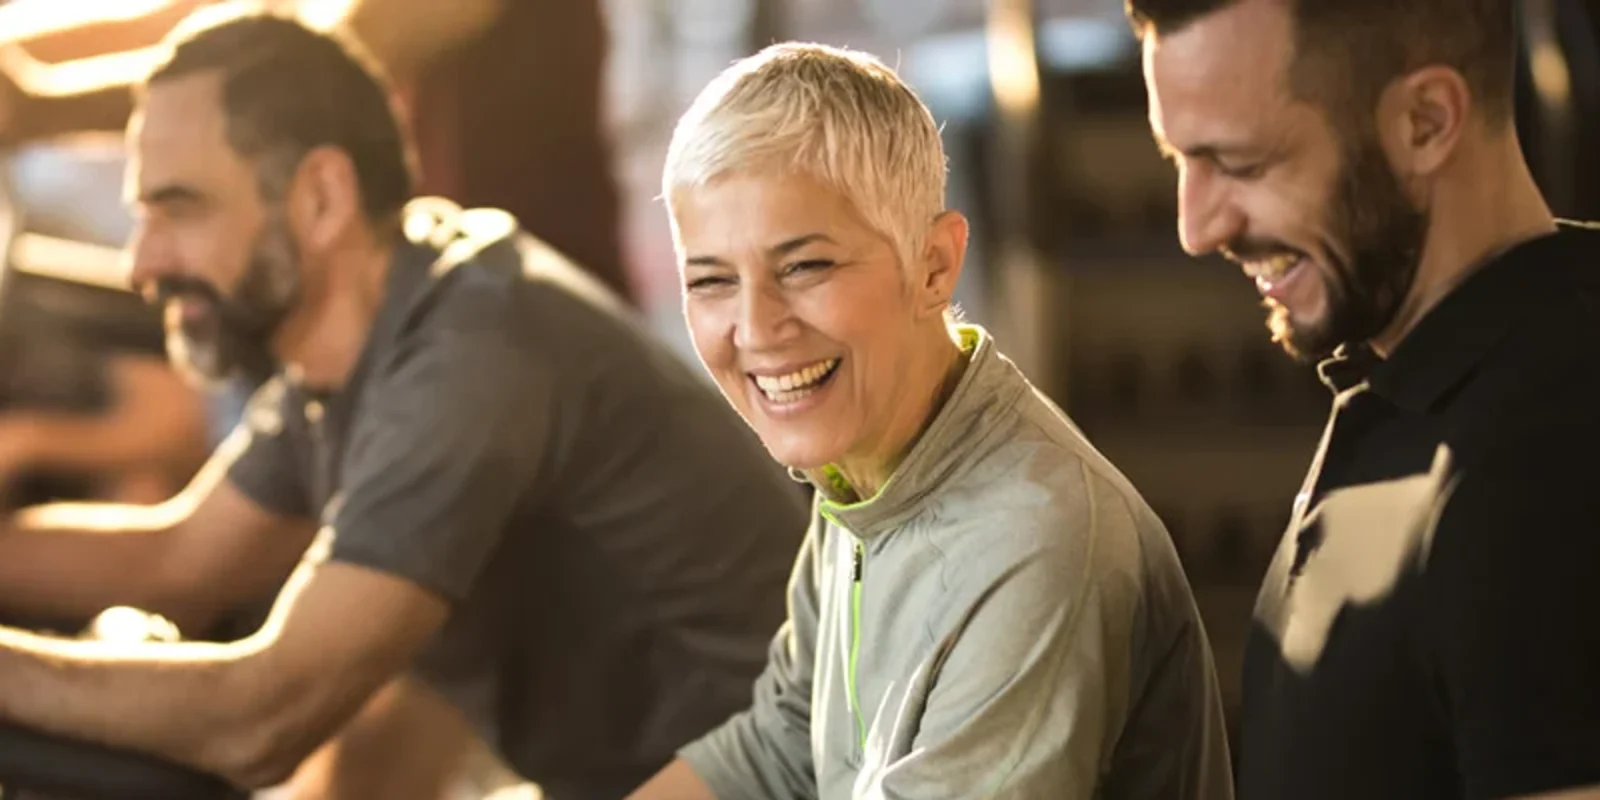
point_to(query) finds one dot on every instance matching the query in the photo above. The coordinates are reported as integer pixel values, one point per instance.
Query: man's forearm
(249, 711)
(81, 443)
(232, 710)
(183, 702)
(156, 419)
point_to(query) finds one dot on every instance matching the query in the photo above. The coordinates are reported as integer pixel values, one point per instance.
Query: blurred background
(560, 111)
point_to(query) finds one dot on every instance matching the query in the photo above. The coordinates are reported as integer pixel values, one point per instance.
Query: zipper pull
(855, 567)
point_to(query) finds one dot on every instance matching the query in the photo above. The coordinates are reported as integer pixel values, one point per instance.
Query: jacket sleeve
(765, 752)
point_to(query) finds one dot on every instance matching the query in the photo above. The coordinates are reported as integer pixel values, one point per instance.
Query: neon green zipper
(855, 642)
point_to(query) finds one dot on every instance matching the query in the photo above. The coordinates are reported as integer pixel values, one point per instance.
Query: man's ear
(944, 252)
(1422, 117)
(324, 198)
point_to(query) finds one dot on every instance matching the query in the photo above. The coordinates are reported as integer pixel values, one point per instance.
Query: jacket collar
(962, 427)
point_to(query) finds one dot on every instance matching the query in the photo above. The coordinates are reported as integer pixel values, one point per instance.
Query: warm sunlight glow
(130, 626)
(1550, 73)
(1013, 65)
(324, 14)
(25, 19)
(81, 76)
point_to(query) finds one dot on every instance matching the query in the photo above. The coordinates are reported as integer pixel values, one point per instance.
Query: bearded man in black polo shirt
(1428, 628)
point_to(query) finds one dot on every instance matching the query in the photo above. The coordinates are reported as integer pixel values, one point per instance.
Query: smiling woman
(981, 598)
(813, 327)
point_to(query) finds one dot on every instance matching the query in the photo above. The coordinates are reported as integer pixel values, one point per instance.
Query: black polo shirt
(1430, 625)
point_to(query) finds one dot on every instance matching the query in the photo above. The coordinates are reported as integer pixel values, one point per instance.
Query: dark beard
(236, 342)
(1383, 233)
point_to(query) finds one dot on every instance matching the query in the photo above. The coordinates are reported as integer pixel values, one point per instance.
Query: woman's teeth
(795, 385)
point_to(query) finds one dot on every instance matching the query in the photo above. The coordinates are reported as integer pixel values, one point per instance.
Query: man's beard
(1383, 233)
(235, 338)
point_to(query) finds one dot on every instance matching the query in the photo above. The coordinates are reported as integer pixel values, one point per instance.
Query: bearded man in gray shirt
(520, 496)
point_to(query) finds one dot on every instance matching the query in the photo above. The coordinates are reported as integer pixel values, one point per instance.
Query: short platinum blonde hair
(838, 116)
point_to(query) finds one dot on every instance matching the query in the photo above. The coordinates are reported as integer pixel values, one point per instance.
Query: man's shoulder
(1567, 279)
(489, 291)
(1539, 392)
(482, 270)
(1543, 374)
(514, 297)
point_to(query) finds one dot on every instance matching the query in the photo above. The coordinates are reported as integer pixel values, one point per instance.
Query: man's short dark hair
(287, 89)
(1347, 51)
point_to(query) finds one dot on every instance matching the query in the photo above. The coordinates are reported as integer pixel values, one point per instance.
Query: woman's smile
(793, 391)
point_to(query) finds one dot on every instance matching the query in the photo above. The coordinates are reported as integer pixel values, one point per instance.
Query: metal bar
(67, 260)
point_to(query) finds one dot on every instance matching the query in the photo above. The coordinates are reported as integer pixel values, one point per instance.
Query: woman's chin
(801, 455)
(801, 464)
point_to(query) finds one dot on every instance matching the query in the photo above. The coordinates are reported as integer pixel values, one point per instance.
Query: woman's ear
(944, 252)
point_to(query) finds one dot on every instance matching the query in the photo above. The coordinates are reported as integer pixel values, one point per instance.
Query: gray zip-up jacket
(1005, 619)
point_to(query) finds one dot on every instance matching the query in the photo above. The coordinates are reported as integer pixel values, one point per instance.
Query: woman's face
(803, 315)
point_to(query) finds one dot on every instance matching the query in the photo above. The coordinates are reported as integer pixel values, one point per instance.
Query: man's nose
(148, 258)
(1207, 217)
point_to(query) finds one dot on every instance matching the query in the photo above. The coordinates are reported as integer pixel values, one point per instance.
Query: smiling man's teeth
(795, 385)
(1271, 268)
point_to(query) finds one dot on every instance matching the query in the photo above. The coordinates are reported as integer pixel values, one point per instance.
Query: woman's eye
(707, 282)
(812, 265)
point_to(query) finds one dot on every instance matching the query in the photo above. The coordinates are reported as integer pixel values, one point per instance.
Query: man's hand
(16, 447)
(249, 711)
(153, 434)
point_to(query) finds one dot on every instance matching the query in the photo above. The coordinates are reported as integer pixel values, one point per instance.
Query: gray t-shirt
(613, 540)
